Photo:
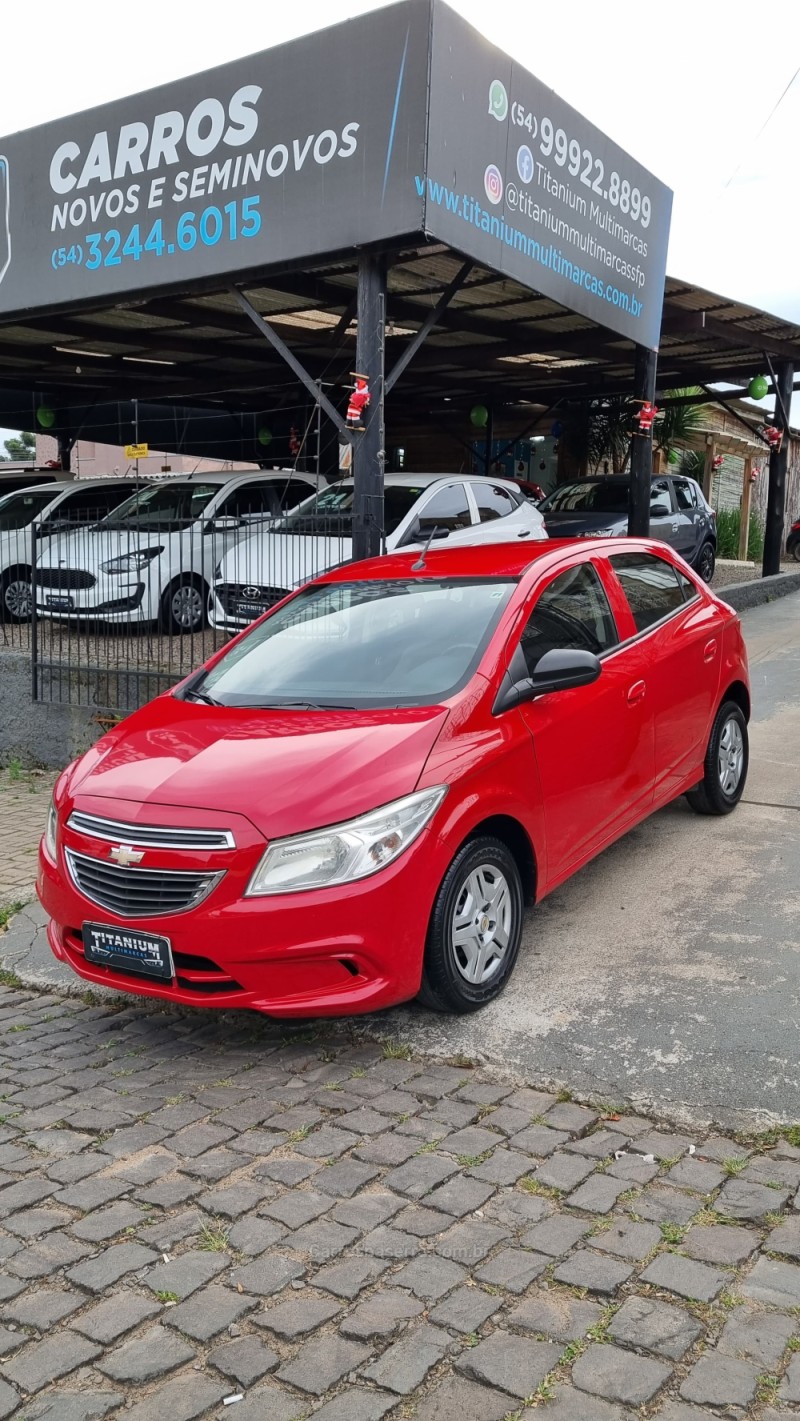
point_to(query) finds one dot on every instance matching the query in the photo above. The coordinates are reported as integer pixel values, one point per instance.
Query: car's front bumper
(109, 598)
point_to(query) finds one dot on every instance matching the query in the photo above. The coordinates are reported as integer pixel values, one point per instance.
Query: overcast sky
(688, 89)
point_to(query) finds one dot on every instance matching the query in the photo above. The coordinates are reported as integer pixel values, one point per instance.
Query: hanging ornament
(294, 441)
(646, 416)
(358, 402)
(758, 387)
(45, 417)
(717, 462)
(773, 436)
(672, 456)
(754, 473)
(479, 416)
(264, 435)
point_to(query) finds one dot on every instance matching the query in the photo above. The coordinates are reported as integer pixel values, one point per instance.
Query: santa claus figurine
(358, 402)
(646, 417)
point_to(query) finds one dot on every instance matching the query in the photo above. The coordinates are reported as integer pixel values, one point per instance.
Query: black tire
(793, 550)
(706, 561)
(184, 606)
(15, 606)
(717, 793)
(445, 986)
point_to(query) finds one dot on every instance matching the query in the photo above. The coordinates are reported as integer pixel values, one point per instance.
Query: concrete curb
(762, 589)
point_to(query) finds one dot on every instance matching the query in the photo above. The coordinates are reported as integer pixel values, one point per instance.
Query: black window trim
(654, 626)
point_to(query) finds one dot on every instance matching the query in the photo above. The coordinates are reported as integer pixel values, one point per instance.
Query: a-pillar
(642, 450)
(778, 459)
(369, 453)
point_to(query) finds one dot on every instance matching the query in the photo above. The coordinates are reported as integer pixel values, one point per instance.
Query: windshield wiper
(300, 705)
(192, 695)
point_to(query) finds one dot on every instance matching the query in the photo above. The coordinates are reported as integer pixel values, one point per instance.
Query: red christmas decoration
(754, 473)
(646, 416)
(773, 436)
(358, 402)
(294, 441)
(717, 462)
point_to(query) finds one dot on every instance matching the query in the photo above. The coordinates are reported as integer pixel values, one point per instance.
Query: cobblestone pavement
(24, 800)
(204, 1209)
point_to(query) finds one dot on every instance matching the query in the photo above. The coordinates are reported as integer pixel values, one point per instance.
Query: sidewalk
(24, 801)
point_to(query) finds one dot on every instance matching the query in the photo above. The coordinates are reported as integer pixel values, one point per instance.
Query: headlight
(345, 852)
(131, 562)
(51, 832)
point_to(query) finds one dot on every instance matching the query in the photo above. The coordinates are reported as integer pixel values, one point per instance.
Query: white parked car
(154, 558)
(457, 509)
(49, 509)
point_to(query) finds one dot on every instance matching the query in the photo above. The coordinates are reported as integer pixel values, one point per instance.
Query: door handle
(636, 693)
(710, 649)
(674, 527)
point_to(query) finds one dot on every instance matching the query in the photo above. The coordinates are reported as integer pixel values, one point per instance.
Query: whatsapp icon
(498, 100)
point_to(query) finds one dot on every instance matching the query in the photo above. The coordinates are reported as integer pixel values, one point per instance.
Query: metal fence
(112, 615)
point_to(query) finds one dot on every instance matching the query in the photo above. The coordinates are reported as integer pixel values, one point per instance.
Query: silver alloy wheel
(730, 761)
(482, 924)
(17, 597)
(186, 607)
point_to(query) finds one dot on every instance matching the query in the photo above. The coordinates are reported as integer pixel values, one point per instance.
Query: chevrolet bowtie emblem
(124, 855)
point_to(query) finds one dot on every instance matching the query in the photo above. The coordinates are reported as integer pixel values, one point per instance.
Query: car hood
(285, 560)
(571, 525)
(286, 771)
(89, 546)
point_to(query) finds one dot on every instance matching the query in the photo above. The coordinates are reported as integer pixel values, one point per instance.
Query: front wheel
(475, 929)
(726, 762)
(16, 599)
(184, 606)
(706, 562)
(793, 550)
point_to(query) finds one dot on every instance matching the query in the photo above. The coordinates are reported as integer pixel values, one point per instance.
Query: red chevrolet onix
(351, 804)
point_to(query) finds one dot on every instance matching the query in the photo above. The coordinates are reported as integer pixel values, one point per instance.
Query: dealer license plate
(249, 609)
(145, 953)
(60, 602)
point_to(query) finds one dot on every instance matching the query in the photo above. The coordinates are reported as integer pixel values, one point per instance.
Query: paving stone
(297, 1207)
(23, 1195)
(655, 1326)
(323, 1362)
(363, 1121)
(286, 1171)
(11, 1341)
(111, 1265)
(65, 1405)
(382, 1315)
(429, 1277)
(564, 1171)
(515, 1364)
(720, 1244)
(628, 1240)
(539, 1140)
(456, 1399)
(556, 1315)
(206, 1313)
(513, 1269)
(584, 1269)
(518, 1209)
(571, 1405)
(173, 1229)
(459, 1196)
(186, 1397)
(465, 1310)
(388, 1149)
(740, 1200)
(470, 1241)
(685, 1277)
(556, 1235)
(508, 1120)
(599, 1194)
(633, 1168)
(59, 1142)
(617, 1375)
(356, 1404)
(47, 1256)
(10, 1287)
(75, 1167)
(130, 1141)
(404, 1365)
(345, 1178)
(599, 1145)
(115, 1316)
(721, 1148)
(246, 1359)
(422, 1222)
(213, 1165)
(576, 1119)
(253, 1236)
(43, 1308)
(298, 1316)
(186, 1274)
(437, 1082)
(234, 1201)
(266, 1276)
(785, 1239)
(719, 1380)
(145, 1358)
(92, 1193)
(790, 1386)
(774, 1283)
(756, 1336)
(322, 1240)
(9, 1399)
(502, 1167)
(55, 1356)
(32, 1223)
(533, 1102)
(259, 1143)
(346, 1280)
(420, 1175)
(390, 1243)
(666, 1206)
(104, 1223)
(195, 1139)
(368, 1210)
(664, 1146)
(148, 1168)
(325, 1143)
(472, 1141)
(767, 1169)
(699, 1175)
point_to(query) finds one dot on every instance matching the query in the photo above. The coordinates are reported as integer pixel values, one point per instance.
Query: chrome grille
(138, 892)
(149, 836)
(231, 594)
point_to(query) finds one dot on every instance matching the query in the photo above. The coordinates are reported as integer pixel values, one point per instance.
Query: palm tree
(677, 424)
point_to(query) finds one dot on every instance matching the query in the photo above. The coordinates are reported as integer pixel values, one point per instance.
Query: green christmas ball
(479, 416)
(45, 417)
(758, 387)
(672, 457)
(264, 435)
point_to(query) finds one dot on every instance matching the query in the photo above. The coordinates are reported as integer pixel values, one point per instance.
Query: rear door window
(650, 585)
(684, 494)
(572, 613)
(494, 501)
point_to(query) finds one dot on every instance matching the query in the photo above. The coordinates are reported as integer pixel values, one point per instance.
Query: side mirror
(557, 670)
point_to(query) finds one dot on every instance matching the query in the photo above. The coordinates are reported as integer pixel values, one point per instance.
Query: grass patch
(6, 913)
(672, 1233)
(357, 1073)
(563, 1096)
(532, 1186)
(734, 1165)
(9, 978)
(767, 1387)
(214, 1237)
(469, 1161)
(166, 1297)
(395, 1051)
(295, 1135)
(21, 1027)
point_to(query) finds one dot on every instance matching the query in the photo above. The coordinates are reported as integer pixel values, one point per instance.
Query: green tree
(22, 446)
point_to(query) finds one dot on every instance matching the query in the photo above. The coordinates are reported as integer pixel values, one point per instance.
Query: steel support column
(778, 460)
(642, 447)
(369, 453)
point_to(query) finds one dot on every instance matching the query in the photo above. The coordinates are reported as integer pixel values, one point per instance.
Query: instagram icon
(493, 183)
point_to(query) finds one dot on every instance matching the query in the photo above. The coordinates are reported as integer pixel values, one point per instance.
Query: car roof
(504, 560)
(222, 477)
(424, 480)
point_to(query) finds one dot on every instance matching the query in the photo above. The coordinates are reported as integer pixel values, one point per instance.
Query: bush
(729, 521)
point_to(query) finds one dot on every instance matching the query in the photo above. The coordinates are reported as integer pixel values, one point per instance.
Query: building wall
(93, 461)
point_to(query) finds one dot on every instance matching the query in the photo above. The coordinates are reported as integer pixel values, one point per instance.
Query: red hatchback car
(351, 804)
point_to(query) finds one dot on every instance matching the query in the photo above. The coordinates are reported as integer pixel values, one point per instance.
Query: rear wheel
(706, 562)
(794, 550)
(475, 929)
(727, 758)
(16, 601)
(184, 606)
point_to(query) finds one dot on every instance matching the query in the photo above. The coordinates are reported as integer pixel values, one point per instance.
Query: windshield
(361, 645)
(330, 512)
(18, 510)
(590, 497)
(164, 506)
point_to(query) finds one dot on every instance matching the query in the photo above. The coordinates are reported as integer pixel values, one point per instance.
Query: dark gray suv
(598, 507)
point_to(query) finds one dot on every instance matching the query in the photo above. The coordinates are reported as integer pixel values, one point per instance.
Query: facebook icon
(525, 163)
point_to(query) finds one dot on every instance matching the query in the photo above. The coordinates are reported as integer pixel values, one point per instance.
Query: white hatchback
(417, 508)
(154, 559)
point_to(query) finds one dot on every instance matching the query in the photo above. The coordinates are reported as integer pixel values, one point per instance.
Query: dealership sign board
(398, 123)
